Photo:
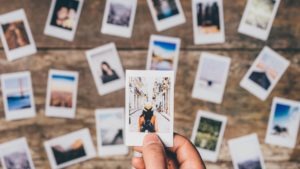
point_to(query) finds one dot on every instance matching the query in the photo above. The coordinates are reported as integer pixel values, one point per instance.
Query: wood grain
(246, 114)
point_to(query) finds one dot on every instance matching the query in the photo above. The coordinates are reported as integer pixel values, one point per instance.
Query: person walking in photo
(147, 120)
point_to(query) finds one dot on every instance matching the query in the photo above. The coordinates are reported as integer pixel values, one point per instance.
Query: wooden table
(246, 114)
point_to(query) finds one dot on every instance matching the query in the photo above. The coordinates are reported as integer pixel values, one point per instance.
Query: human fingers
(138, 162)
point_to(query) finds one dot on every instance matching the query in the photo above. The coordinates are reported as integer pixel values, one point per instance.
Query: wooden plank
(285, 32)
(246, 114)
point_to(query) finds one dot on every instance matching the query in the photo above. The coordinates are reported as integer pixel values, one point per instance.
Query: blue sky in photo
(63, 78)
(14, 83)
(165, 45)
(282, 113)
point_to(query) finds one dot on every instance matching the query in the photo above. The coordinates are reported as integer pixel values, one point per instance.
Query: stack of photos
(106, 68)
(70, 149)
(110, 132)
(16, 155)
(245, 152)
(18, 96)
(258, 18)
(16, 35)
(61, 93)
(208, 21)
(265, 73)
(211, 77)
(208, 134)
(163, 53)
(119, 17)
(149, 106)
(283, 123)
(166, 13)
(63, 18)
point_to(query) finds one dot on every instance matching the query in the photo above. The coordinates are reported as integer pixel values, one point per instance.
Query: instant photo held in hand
(149, 106)
(106, 68)
(70, 149)
(208, 21)
(208, 134)
(264, 74)
(245, 152)
(18, 96)
(284, 123)
(211, 77)
(61, 93)
(163, 53)
(258, 18)
(110, 132)
(119, 16)
(166, 13)
(63, 19)
(16, 155)
(16, 35)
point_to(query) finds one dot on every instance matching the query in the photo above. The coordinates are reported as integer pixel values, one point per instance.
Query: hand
(182, 155)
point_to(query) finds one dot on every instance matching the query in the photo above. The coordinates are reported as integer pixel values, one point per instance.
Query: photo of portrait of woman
(108, 74)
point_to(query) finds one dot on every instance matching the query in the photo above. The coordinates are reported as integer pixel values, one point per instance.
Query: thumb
(154, 152)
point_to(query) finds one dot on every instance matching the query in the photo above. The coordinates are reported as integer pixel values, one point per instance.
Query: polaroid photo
(258, 18)
(70, 149)
(208, 21)
(284, 123)
(149, 106)
(163, 53)
(119, 16)
(264, 73)
(208, 134)
(61, 93)
(110, 132)
(18, 96)
(166, 13)
(63, 19)
(16, 155)
(16, 35)
(211, 77)
(245, 152)
(106, 67)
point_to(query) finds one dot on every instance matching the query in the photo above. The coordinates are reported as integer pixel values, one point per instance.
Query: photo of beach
(260, 13)
(208, 133)
(68, 151)
(15, 34)
(18, 93)
(62, 88)
(163, 55)
(284, 122)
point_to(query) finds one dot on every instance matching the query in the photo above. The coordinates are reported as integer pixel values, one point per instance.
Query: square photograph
(63, 18)
(70, 149)
(16, 155)
(208, 134)
(245, 152)
(119, 16)
(264, 73)
(16, 35)
(17, 96)
(283, 123)
(208, 21)
(61, 93)
(149, 106)
(163, 53)
(258, 18)
(166, 13)
(110, 132)
(211, 78)
(107, 69)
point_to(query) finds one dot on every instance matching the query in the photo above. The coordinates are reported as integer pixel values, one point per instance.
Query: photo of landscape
(18, 93)
(119, 14)
(208, 133)
(16, 160)
(68, 151)
(165, 8)
(61, 91)
(163, 55)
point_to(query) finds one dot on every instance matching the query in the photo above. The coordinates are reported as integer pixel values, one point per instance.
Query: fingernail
(137, 154)
(150, 139)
